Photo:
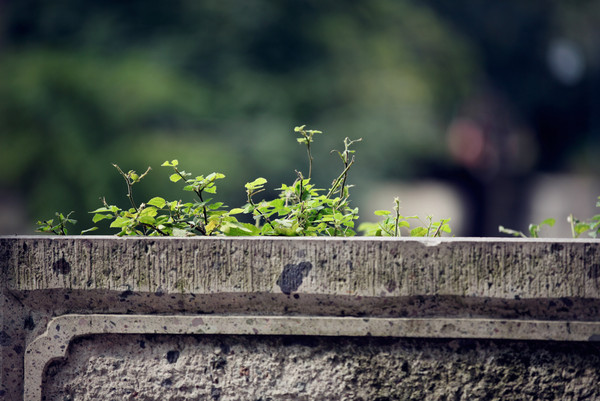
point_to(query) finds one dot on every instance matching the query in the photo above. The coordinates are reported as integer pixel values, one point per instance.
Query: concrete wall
(86, 318)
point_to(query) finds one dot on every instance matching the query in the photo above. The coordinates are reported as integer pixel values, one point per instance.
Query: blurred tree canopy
(220, 85)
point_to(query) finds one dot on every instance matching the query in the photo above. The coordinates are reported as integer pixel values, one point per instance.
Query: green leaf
(89, 230)
(111, 209)
(178, 232)
(175, 177)
(403, 223)
(217, 213)
(98, 216)
(348, 223)
(534, 230)
(149, 211)
(215, 205)
(580, 228)
(256, 184)
(236, 210)
(549, 222)
(509, 231)
(164, 219)
(215, 176)
(157, 201)
(382, 212)
(287, 230)
(101, 209)
(239, 229)
(418, 232)
(120, 222)
(202, 204)
(148, 219)
(369, 229)
(172, 163)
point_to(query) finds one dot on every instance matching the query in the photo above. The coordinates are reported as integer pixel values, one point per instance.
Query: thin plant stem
(336, 182)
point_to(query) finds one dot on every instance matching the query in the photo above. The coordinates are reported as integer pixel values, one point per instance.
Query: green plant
(58, 228)
(591, 226)
(534, 229)
(171, 218)
(393, 223)
(578, 227)
(299, 209)
(303, 209)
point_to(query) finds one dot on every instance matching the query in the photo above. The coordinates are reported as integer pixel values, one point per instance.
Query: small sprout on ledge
(59, 227)
(534, 229)
(393, 223)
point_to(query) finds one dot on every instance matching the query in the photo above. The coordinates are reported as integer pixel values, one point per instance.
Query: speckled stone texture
(45, 277)
(223, 368)
(365, 267)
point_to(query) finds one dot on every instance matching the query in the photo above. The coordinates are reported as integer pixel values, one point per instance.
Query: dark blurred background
(485, 112)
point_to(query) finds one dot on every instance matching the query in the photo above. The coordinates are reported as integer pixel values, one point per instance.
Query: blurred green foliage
(218, 85)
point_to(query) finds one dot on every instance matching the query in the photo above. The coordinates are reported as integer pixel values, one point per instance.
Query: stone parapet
(462, 292)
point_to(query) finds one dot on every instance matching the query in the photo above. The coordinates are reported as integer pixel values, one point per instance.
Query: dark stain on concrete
(218, 362)
(5, 339)
(215, 393)
(29, 324)
(594, 271)
(292, 275)
(568, 303)
(61, 266)
(172, 356)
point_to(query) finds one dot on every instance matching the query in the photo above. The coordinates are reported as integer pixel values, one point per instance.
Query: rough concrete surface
(222, 368)
(556, 280)
(366, 267)
(54, 344)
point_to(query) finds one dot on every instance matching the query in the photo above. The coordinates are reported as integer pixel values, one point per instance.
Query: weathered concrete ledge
(460, 288)
(502, 268)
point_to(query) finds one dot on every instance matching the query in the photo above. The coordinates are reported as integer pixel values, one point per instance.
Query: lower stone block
(152, 357)
(223, 368)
